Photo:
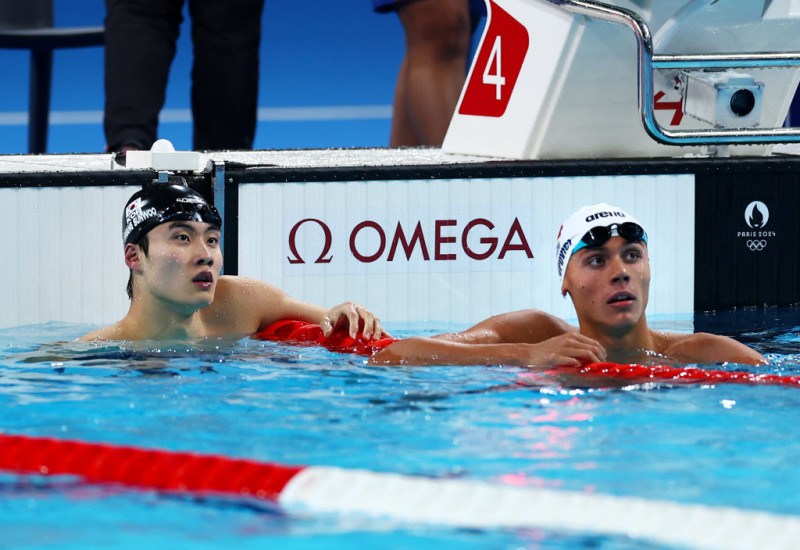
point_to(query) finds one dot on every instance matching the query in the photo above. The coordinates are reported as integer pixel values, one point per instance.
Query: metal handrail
(648, 61)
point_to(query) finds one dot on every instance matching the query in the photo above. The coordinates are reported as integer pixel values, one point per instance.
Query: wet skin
(182, 267)
(609, 286)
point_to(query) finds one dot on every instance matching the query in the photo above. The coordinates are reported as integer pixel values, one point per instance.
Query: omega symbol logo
(756, 215)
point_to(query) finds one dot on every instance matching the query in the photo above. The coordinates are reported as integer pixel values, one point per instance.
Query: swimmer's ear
(132, 259)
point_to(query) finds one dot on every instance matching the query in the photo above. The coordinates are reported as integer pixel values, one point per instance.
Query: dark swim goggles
(191, 211)
(598, 236)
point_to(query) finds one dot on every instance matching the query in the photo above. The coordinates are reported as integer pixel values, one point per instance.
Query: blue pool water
(730, 445)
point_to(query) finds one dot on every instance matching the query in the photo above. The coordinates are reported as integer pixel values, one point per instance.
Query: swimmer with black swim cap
(171, 237)
(602, 262)
(160, 202)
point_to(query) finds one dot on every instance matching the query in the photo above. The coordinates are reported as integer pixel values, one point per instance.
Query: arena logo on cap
(598, 215)
(756, 216)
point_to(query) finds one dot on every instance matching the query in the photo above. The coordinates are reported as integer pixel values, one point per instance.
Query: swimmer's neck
(152, 320)
(628, 344)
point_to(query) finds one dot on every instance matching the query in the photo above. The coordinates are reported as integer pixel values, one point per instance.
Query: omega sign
(445, 241)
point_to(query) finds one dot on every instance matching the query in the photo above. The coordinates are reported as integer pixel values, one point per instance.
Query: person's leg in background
(140, 45)
(437, 35)
(226, 37)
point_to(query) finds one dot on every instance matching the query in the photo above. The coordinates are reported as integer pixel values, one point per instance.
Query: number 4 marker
(497, 65)
(495, 58)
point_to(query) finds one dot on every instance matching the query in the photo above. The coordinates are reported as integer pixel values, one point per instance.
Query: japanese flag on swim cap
(160, 202)
(579, 223)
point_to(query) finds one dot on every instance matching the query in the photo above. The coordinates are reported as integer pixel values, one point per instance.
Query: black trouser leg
(226, 37)
(140, 46)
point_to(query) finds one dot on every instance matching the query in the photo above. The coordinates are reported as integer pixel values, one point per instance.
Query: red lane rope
(449, 502)
(301, 333)
(136, 467)
(691, 375)
(308, 334)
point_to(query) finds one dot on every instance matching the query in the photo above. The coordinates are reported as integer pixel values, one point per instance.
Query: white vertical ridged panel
(64, 258)
(462, 290)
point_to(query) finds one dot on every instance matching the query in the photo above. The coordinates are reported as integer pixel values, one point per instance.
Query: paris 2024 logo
(756, 216)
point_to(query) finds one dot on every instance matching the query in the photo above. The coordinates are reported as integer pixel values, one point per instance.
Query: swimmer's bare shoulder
(236, 293)
(111, 332)
(240, 305)
(243, 305)
(702, 347)
(527, 326)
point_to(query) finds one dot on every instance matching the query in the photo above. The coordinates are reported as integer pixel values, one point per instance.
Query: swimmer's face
(609, 284)
(183, 263)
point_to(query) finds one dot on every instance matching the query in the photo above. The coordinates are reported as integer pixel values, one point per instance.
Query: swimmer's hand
(356, 318)
(572, 350)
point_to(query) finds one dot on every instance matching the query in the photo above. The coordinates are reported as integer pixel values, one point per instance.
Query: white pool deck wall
(455, 288)
(573, 92)
(62, 249)
(64, 260)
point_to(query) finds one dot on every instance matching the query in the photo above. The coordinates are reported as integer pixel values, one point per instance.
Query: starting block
(163, 156)
(566, 79)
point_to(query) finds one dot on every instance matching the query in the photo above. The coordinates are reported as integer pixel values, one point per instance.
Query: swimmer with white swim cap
(171, 238)
(602, 262)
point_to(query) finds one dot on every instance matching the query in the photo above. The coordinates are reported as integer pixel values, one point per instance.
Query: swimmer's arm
(528, 337)
(266, 303)
(571, 349)
(702, 347)
(528, 326)
(354, 318)
(433, 351)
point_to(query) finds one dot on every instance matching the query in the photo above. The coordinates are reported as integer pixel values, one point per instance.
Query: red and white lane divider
(447, 502)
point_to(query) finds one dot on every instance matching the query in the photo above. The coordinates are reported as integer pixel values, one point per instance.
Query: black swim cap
(161, 202)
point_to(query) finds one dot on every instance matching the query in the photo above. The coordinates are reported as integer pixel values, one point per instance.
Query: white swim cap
(578, 225)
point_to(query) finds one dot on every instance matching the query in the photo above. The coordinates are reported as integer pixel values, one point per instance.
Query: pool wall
(457, 250)
(438, 239)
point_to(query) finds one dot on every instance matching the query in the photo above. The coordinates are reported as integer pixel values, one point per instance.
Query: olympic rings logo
(756, 245)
